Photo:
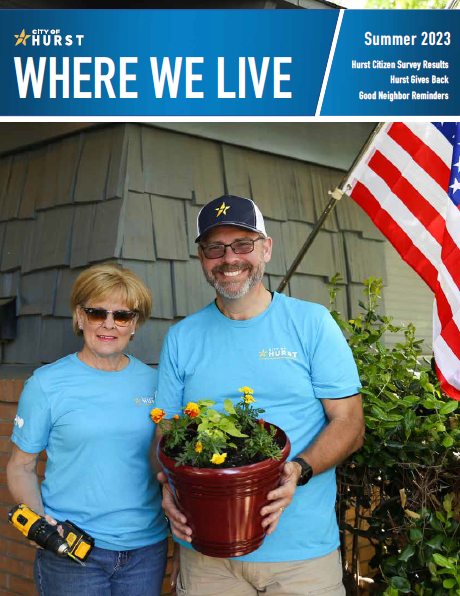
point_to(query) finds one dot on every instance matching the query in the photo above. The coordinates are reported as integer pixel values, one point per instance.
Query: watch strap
(306, 472)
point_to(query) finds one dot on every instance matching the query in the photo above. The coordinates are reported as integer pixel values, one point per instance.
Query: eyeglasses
(239, 247)
(121, 318)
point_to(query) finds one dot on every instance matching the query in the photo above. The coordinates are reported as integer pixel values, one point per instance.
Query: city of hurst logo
(21, 38)
(222, 209)
(277, 354)
(145, 401)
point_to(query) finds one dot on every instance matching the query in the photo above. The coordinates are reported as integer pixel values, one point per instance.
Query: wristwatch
(306, 472)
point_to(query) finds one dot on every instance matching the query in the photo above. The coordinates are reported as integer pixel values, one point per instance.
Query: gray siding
(131, 193)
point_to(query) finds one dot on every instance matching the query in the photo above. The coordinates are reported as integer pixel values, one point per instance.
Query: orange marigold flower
(157, 414)
(218, 459)
(192, 409)
(261, 421)
(199, 447)
(176, 417)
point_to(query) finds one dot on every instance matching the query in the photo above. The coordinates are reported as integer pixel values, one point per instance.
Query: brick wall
(16, 553)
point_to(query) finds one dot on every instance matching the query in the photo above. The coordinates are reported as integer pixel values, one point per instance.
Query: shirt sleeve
(333, 369)
(170, 381)
(32, 424)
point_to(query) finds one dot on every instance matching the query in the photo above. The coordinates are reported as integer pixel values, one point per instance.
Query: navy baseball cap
(229, 210)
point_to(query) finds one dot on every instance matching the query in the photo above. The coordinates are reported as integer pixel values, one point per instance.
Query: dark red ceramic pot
(222, 505)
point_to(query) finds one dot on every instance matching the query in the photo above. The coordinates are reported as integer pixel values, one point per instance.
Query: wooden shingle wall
(130, 193)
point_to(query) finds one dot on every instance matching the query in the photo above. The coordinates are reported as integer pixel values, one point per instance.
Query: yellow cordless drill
(75, 542)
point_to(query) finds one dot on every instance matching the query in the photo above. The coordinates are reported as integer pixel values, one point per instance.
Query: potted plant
(221, 466)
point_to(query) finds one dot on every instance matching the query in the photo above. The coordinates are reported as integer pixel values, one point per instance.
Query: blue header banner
(146, 63)
(392, 63)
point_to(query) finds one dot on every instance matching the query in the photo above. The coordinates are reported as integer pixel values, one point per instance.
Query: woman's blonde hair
(103, 281)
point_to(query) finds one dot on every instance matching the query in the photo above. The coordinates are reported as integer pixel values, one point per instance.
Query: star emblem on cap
(222, 209)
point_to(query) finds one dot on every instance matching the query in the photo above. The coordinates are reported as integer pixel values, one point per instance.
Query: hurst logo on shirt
(277, 354)
(145, 401)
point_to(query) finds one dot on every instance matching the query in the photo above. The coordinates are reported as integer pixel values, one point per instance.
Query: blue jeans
(136, 572)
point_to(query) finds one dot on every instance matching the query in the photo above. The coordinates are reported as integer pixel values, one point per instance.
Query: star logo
(262, 354)
(222, 209)
(21, 38)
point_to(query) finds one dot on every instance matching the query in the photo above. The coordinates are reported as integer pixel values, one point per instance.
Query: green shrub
(404, 483)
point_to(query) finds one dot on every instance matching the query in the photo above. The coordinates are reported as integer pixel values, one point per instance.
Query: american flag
(408, 182)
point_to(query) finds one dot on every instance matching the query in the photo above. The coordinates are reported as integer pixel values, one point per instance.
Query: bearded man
(294, 356)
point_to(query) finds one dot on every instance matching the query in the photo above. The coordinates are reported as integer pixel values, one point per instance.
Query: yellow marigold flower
(218, 459)
(157, 414)
(248, 398)
(192, 409)
(246, 390)
(199, 447)
(176, 417)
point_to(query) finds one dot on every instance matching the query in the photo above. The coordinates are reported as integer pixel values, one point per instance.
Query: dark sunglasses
(121, 318)
(239, 247)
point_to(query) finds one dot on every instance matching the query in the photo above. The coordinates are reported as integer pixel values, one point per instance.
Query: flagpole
(336, 195)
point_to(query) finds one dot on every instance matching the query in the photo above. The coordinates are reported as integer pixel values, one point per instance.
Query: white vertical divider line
(329, 63)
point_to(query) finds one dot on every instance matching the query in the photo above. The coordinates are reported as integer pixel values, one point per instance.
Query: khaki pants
(210, 576)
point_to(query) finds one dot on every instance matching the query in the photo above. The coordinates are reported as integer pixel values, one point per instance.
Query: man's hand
(281, 497)
(178, 520)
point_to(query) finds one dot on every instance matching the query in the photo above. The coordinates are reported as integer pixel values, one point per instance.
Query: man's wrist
(303, 469)
(297, 470)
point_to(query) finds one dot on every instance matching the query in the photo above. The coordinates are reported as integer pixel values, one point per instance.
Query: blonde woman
(90, 411)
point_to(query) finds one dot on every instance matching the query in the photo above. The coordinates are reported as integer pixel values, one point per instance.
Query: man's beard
(229, 288)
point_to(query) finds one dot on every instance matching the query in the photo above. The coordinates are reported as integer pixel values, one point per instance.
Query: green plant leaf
(435, 542)
(379, 413)
(381, 348)
(440, 516)
(432, 568)
(213, 415)
(407, 553)
(231, 429)
(442, 561)
(449, 407)
(229, 407)
(400, 583)
(447, 503)
(366, 391)
(449, 583)
(415, 534)
(206, 402)
(434, 523)
(447, 441)
(410, 419)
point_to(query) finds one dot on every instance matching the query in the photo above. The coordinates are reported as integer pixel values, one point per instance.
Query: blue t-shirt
(291, 355)
(96, 428)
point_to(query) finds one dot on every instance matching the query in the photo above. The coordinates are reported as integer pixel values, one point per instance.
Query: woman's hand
(177, 519)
